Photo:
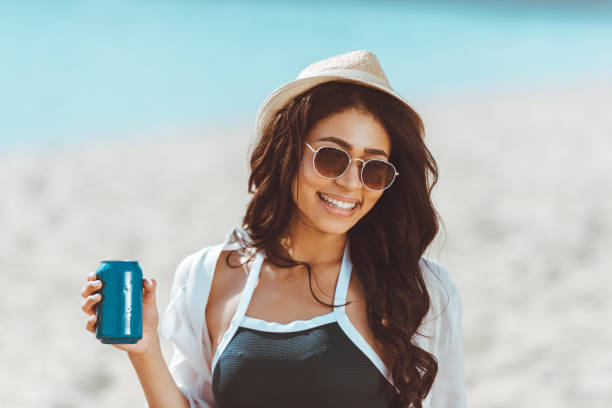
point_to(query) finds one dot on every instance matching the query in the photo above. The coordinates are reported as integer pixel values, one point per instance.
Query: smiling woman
(335, 205)
(341, 181)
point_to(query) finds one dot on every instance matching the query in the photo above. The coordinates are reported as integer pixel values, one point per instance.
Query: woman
(323, 298)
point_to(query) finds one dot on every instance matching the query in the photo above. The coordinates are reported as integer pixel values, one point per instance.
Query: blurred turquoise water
(76, 71)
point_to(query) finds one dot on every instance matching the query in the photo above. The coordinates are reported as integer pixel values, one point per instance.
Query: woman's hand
(150, 316)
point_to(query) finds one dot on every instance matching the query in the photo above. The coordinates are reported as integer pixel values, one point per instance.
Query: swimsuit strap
(343, 279)
(344, 321)
(245, 298)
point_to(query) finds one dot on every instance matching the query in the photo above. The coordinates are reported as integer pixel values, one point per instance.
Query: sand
(525, 194)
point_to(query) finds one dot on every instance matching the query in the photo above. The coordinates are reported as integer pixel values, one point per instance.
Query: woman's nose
(351, 180)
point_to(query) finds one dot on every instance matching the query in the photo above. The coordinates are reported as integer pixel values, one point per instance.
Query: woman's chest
(282, 301)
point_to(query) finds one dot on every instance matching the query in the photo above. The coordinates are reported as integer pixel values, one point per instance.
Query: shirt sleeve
(177, 327)
(448, 390)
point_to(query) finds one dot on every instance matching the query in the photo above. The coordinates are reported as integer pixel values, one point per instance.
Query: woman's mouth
(337, 207)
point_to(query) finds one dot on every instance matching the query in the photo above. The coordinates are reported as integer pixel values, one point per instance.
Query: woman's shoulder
(192, 284)
(194, 264)
(202, 262)
(436, 276)
(443, 292)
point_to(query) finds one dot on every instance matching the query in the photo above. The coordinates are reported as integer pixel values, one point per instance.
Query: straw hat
(359, 66)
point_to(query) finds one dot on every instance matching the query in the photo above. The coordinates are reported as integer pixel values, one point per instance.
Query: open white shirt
(184, 325)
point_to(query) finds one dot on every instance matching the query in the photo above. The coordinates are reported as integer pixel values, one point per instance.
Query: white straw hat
(359, 66)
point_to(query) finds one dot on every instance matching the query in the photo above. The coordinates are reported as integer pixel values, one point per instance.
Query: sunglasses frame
(314, 156)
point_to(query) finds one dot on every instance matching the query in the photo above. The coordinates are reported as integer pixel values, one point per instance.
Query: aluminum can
(120, 309)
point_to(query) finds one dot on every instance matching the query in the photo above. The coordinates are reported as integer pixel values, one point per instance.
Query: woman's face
(355, 132)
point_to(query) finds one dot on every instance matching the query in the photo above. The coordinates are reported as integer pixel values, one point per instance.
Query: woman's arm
(158, 385)
(442, 335)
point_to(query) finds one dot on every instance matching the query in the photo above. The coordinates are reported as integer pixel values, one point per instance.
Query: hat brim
(278, 98)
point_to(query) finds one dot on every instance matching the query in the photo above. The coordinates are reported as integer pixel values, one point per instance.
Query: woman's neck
(318, 248)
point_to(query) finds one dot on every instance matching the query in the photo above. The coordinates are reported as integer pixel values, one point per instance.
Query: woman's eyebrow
(346, 145)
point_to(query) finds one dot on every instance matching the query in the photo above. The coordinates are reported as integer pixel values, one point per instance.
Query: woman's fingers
(91, 323)
(90, 288)
(91, 297)
(88, 303)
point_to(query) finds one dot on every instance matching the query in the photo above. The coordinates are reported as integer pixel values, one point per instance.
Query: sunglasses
(332, 162)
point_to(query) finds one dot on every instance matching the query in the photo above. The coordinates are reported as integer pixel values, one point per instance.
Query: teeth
(340, 204)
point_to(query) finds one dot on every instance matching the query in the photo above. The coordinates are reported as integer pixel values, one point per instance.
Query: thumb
(149, 286)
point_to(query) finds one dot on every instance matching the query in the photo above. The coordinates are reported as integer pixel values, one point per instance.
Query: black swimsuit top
(320, 362)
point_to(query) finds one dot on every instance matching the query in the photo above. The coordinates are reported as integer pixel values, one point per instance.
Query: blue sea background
(75, 72)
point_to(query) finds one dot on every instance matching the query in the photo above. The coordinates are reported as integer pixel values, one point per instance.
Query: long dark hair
(385, 245)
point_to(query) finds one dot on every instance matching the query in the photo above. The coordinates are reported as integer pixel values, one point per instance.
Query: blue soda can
(120, 310)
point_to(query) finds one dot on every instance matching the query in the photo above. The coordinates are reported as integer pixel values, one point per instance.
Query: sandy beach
(525, 196)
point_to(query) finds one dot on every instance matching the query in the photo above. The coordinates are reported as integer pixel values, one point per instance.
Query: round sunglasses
(332, 162)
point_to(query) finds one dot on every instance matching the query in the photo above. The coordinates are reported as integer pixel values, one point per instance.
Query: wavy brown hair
(385, 245)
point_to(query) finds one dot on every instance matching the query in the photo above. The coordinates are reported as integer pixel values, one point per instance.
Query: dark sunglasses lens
(331, 162)
(378, 174)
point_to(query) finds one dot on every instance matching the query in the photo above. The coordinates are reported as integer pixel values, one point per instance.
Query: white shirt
(184, 325)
